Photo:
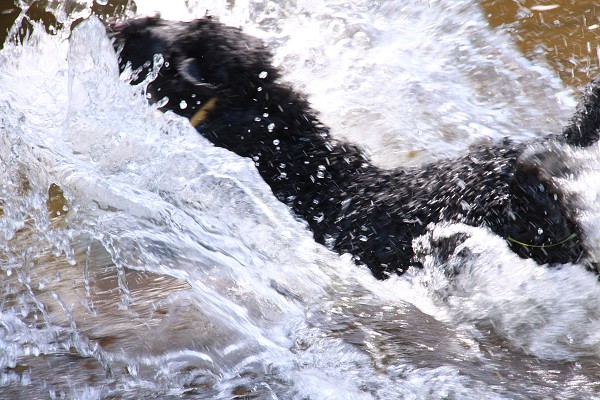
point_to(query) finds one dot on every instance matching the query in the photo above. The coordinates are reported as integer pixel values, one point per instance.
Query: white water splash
(176, 265)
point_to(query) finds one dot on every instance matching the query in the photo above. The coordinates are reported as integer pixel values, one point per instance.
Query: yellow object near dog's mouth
(202, 113)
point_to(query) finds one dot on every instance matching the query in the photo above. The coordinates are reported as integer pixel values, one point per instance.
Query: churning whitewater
(138, 260)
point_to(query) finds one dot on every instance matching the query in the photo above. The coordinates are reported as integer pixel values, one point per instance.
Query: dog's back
(234, 97)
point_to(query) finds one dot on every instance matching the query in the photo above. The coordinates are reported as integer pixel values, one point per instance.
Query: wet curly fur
(350, 204)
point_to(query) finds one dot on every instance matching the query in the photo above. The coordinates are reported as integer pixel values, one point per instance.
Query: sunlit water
(138, 260)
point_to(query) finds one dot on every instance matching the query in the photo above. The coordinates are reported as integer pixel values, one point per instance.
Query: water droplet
(320, 175)
(282, 175)
(102, 2)
(282, 165)
(266, 115)
(263, 74)
(270, 127)
(259, 89)
(183, 105)
(257, 119)
(321, 168)
(276, 142)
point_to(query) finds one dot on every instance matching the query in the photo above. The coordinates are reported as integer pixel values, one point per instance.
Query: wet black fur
(350, 204)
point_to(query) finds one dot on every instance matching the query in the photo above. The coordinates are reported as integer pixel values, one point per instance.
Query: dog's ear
(190, 71)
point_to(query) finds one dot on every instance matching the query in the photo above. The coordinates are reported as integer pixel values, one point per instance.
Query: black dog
(223, 80)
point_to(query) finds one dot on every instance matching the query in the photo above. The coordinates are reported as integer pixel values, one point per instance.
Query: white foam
(228, 274)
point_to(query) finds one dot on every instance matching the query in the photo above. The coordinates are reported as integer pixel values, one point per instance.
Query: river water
(137, 260)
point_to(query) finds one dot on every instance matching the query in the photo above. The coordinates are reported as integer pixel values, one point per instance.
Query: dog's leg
(542, 227)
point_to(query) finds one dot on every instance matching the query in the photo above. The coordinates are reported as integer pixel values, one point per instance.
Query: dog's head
(197, 62)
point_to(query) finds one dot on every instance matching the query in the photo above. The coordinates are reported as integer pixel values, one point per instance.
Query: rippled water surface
(137, 260)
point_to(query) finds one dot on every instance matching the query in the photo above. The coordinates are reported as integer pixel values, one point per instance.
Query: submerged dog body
(223, 80)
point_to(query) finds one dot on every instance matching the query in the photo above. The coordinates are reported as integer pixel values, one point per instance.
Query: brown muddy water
(563, 33)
